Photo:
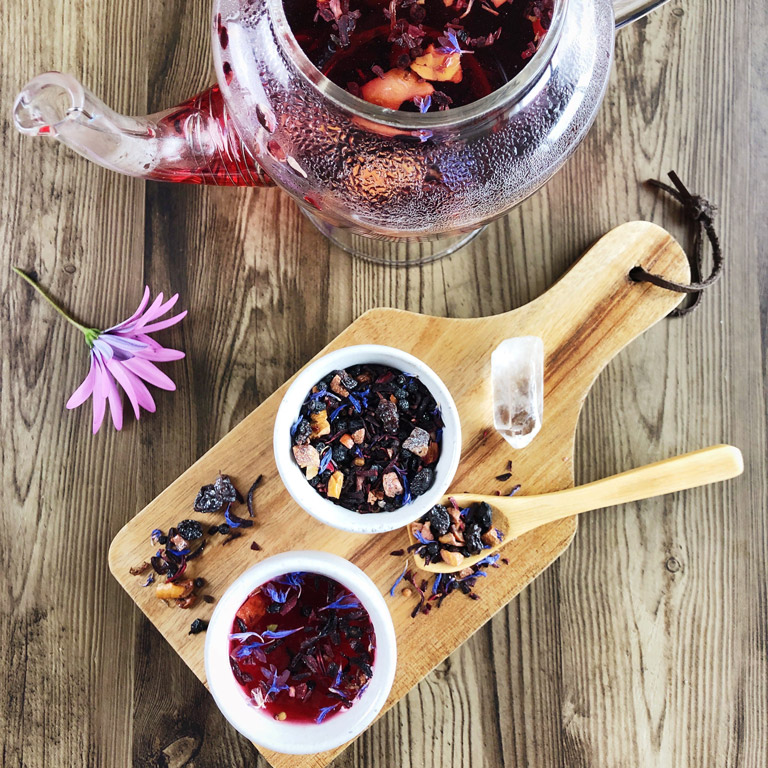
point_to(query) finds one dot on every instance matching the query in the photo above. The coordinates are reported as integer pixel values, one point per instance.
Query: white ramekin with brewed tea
(299, 738)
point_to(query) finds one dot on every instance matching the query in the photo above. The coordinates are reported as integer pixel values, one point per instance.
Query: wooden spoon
(517, 515)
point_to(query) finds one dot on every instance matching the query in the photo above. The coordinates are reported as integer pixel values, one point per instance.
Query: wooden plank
(584, 320)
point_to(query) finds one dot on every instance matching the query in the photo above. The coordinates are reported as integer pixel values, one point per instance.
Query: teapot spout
(196, 142)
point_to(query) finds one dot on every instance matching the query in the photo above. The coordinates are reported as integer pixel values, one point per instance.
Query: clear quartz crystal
(517, 373)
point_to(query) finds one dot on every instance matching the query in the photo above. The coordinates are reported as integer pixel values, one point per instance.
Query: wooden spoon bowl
(517, 515)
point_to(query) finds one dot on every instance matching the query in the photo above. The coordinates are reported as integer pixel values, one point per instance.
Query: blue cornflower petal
(325, 460)
(436, 585)
(337, 411)
(324, 712)
(230, 521)
(346, 601)
(399, 579)
(149, 580)
(277, 595)
(268, 634)
(292, 579)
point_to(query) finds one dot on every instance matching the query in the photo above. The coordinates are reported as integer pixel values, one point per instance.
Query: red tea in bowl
(419, 55)
(302, 647)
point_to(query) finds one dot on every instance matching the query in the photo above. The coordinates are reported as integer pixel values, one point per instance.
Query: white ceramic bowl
(333, 514)
(262, 728)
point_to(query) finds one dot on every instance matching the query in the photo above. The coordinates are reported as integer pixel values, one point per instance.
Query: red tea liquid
(391, 34)
(302, 647)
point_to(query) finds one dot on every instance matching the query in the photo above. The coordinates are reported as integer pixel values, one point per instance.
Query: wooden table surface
(644, 645)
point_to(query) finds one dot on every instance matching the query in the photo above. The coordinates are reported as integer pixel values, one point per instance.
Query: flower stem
(90, 333)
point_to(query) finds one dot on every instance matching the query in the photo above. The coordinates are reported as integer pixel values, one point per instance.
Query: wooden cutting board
(585, 319)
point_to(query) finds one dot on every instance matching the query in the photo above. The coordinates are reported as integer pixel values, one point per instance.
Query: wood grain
(644, 645)
(583, 324)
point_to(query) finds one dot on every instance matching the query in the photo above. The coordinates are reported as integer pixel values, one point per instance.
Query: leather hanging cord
(701, 213)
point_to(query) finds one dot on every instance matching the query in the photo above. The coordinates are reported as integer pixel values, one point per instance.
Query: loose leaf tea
(451, 534)
(419, 55)
(368, 438)
(302, 647)
(445, 584)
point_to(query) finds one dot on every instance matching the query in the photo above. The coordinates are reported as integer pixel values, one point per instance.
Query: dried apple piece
(438, 65)
(394, 88)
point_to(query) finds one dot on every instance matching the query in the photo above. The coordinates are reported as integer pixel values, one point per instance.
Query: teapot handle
(628, 11)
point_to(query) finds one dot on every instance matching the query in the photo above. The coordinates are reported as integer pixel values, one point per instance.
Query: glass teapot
(360, 172)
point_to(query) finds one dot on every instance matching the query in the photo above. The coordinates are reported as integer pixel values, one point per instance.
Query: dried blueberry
(339, 454)
(198, 626)
(190, 530)
(482, 514)
(347, 381)
(303, 433)
(439, 520)
(208, 500)
(422, 482)
(224, 529)
(316, 405)
(472, 541)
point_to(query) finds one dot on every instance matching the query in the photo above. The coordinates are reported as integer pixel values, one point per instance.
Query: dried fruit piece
(306, 456)
(439, 519)
(452, 558)
(320, 424)
(174, 590)
(335, 484)
(347, 441)
(490, 538)
(198, 626)
(386, 412)
(422, 482)
(253, 609)
(358, 436)
(337, 387)
(394, 88)
(226, 490)
(438, 65)
(417, 442)
(191, 530)
(208, 500)
(391, 485)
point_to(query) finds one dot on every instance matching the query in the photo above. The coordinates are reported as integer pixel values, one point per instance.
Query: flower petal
(102, 349)
(143, 395)
(83, 392)
(150, 373)
(136, 314)
(167, 323)
(115, 402)
(123, 378)
(157, 310)
(99, 395)
(157, 352)
(123, 347)
(161, 355)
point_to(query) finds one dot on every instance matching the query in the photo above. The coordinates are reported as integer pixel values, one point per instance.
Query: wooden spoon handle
(708, 465)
